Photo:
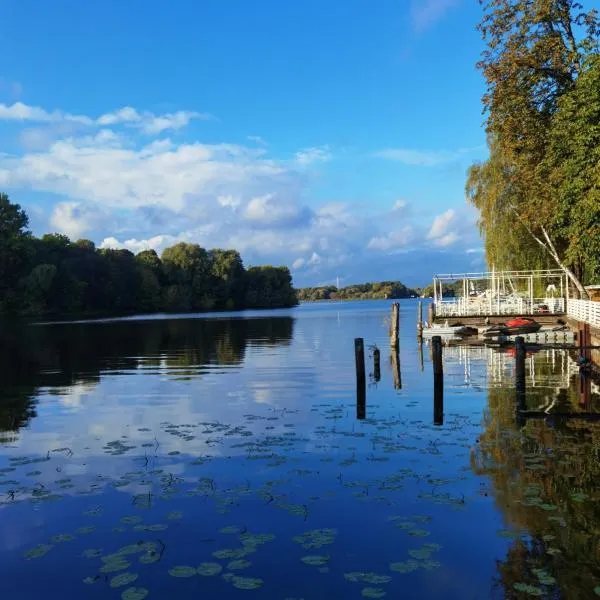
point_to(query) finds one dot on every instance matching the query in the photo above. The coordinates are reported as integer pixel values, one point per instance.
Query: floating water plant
(238, 565)
(123, 579)
(370, 592)
(315, 561)
(134, 594)
(39, 551)
(182, 571)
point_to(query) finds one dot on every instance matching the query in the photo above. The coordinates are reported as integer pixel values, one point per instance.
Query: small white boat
(447, 330)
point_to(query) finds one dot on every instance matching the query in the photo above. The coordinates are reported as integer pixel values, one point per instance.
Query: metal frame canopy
(502, 292)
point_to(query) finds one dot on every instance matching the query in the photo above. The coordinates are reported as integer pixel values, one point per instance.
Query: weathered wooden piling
(420, 320)
(520, 373)
(376, 365)
(361, 381)
(438, 380)
(421, 361)
(397, 375)
(430, 314)
(395, 326)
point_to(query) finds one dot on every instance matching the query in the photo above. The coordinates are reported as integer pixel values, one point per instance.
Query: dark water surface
(222, 457)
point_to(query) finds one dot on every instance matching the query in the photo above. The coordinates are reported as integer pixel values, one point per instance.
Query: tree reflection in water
(545, 478)
(55, 356)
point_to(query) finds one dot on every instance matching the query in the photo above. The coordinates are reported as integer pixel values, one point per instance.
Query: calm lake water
(222, 457)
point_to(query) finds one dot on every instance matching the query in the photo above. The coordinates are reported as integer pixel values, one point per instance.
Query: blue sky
(329, 136)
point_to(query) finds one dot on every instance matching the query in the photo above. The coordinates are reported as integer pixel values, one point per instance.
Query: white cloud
(125, 191)
(75, 219)
(257, 140)
(309, 156)
(298, 264)
(146, 121)
(22, 112)
(399, 206)
(272, 210)
(419, 158)
(424, 13)
(441, 224)
(393, 240)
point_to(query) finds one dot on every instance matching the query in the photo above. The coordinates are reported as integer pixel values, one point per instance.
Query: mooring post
(421, 362)
(438, 380)
(420, 320)
(361, 382)
(430, 314)
(520, 373)
(376, 365)
(395, 326)
(396, 369)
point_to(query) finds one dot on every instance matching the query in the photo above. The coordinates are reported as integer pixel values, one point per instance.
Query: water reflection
(53, 357)
(230, 451)
(544, 474)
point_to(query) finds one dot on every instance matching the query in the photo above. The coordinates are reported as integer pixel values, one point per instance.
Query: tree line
(363, 291)
(538, 194)
(54, 276)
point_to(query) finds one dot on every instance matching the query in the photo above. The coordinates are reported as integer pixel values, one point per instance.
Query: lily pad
(405, 567)
(182, 571)
(208, 569)
(315, 561)
(238, 565)
(134, 593)
(39, 551)
(123, 579)
(86, 530)
(92, 580)
(62, 538)
(370, 592)
(532, 590)
(246, 583)
(115, 565)
(174, 515)
(230, 529)
(92, 553)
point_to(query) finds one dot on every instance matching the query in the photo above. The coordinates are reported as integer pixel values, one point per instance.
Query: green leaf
(39, 551)
(370, 592)
(208, 569)
(123, 579)
(182, 571)
(134, 593)
(238, 565)
(315, 561)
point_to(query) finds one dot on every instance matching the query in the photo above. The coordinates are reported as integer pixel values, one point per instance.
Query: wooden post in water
(396, 369)
(520, 373)
(421, 363)
(438, 380)
(420, 320)
(430, 314)
(376, 365)
(395, 327)
(361, 382)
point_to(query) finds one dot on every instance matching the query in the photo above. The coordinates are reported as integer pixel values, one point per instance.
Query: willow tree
(535, 52)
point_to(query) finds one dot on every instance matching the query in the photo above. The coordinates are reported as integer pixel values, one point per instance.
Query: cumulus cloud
(146, 121)
(441, 224)
(124, 190)
(270, 210)
(425, 13)
(309, 156)
(393, 240)
(74, 219)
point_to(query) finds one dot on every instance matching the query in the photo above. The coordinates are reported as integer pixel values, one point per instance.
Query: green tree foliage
(52, 275)
(363, 291)
(537, 63)
(13, 250)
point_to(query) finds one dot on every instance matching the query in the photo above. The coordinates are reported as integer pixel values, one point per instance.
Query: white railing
(584, 310)
(473, 307)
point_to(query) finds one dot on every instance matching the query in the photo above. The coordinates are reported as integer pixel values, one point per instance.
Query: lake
(220, 456)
